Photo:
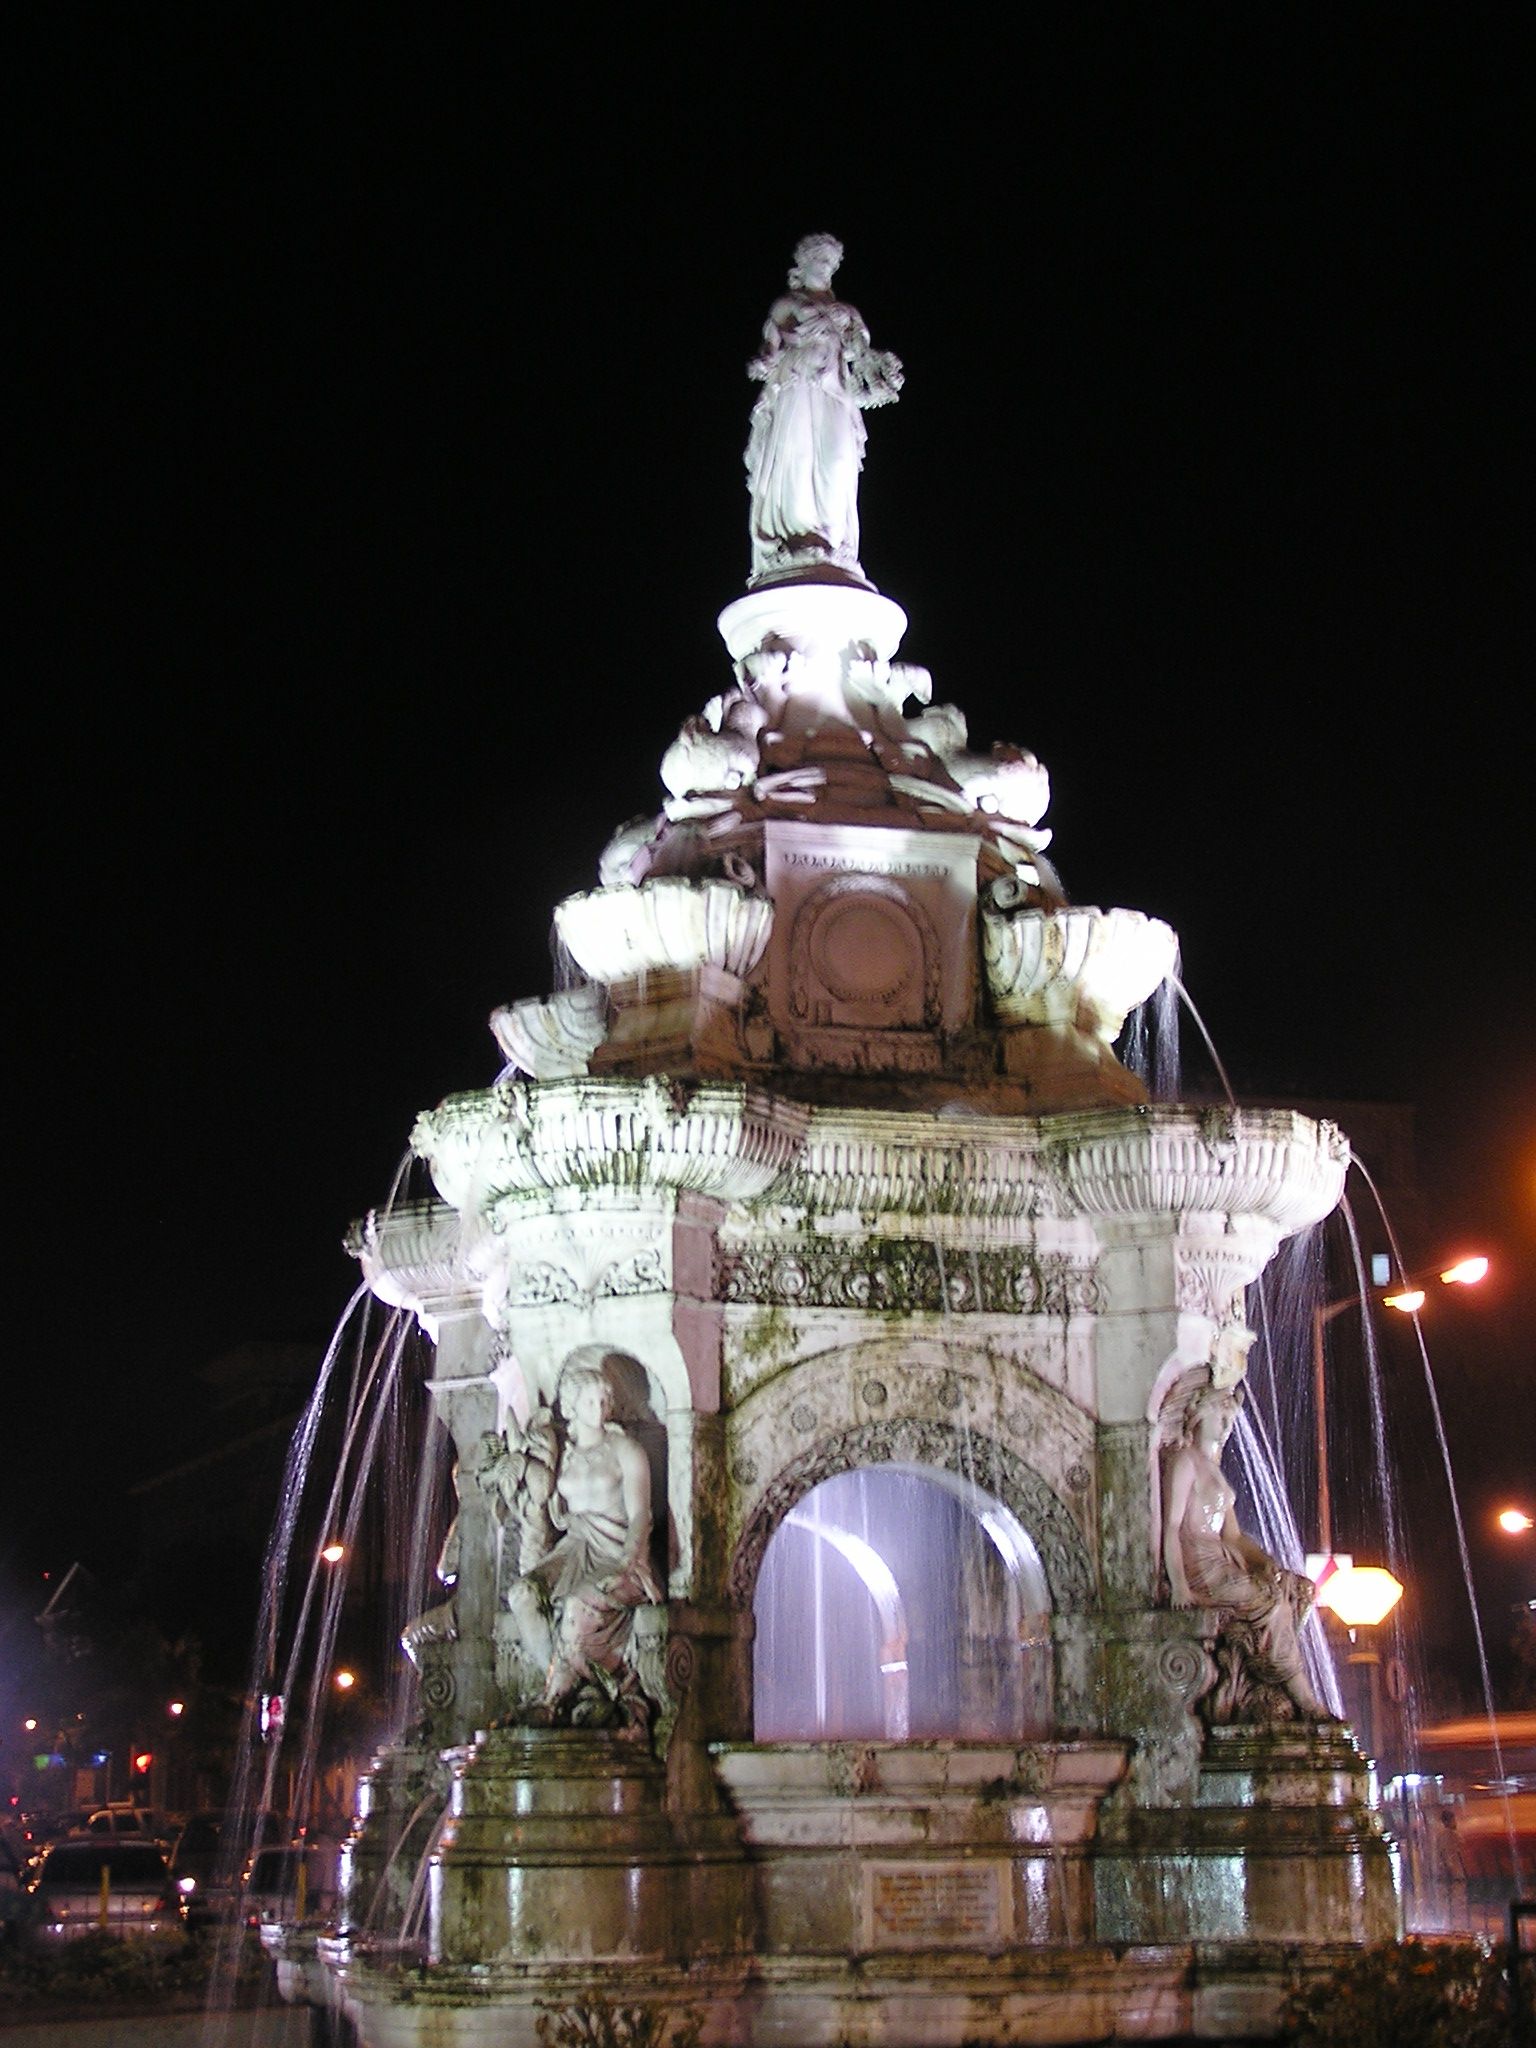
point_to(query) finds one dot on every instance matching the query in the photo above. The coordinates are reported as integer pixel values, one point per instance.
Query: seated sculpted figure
(1212, 1563)
(583, 1514)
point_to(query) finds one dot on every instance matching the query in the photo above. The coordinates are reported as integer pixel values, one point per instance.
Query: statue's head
(585, 1393)
(1197, 1400)
(816, 258)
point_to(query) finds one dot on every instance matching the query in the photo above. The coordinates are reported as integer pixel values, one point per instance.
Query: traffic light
(142, 1760)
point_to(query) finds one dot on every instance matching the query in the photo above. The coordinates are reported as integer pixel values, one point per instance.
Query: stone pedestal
(558, 1849)
(885, 1849)
(1281, 1844)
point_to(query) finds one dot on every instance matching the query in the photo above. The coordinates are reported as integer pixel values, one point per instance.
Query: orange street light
(1465, 1272)
(1408, 1302)
(345, 1680)
(1409, 1297)
(333, 1553)
(1515, 1521)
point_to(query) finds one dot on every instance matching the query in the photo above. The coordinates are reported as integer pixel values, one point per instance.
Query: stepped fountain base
(914, 1895)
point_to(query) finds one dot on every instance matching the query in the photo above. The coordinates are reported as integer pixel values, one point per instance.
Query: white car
(121, 1888)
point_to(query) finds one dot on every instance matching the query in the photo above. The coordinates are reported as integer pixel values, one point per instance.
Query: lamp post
(1407, 1297)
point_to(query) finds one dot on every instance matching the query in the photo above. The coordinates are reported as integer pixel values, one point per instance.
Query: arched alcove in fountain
(896, 1603)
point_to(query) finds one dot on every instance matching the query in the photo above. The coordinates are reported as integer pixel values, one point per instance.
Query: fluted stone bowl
(1075, 965)
(669, 925)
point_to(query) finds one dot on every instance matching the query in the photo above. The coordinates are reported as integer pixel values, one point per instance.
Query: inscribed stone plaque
(935, 1905)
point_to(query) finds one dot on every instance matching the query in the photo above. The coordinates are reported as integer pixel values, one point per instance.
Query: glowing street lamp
(1408, 1301)
(344, 1680)
(1465, 1273)
(1362, 1595)
(1515, 1521)
(333, 1553)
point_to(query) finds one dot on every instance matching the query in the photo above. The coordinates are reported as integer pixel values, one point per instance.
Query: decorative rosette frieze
(722, 1139)
(1074, 965)
(670, 925)
(1167, 1159)
(908, 1275)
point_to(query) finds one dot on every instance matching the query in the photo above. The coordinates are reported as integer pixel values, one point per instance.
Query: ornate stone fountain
(828, 1177)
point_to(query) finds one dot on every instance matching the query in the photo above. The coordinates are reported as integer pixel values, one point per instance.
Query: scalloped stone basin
(1168, 1159)
(552, 1039)
(1052, 966)
(410, 1254)
(669, 925)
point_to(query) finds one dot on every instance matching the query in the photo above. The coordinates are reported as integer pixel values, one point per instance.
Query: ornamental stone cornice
(1154, 1160)
(727, 1140)
(742, 1144)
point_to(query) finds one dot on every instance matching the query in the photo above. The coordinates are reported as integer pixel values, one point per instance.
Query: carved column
(458, 1679)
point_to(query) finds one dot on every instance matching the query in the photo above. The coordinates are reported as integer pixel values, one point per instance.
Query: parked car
(124, 1823)
(205, 1860)
(270, 1892)
(81, 1885)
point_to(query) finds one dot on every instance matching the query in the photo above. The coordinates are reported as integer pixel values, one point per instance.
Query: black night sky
(381, 412)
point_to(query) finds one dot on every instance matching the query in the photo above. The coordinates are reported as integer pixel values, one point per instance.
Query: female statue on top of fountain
(806, 447)
(1212, 1563)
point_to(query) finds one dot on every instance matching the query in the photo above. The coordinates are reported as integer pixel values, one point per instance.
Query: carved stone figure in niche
(579, 1494)
(806, 448)
(1212, 1563)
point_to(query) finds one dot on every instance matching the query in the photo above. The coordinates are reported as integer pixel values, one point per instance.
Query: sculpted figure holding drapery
(579, 1512)
(818, 373)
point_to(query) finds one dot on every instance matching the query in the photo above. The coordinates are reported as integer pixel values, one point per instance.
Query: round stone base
(820, 617)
